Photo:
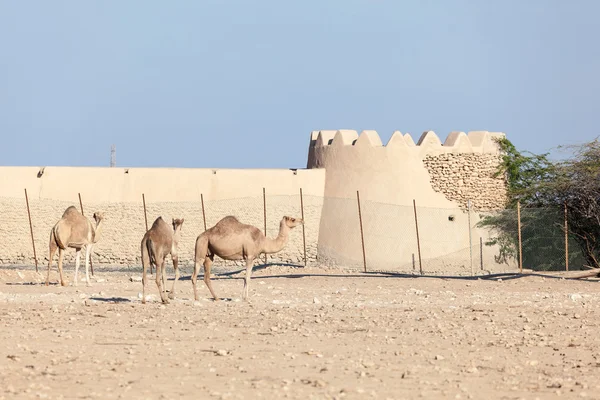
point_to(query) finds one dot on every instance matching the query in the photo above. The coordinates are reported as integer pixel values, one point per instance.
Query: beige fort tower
(451, 184)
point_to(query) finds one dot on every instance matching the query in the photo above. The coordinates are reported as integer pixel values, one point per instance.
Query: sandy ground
(323, 336)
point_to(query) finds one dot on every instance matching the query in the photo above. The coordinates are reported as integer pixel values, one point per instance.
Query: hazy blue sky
(242, 83)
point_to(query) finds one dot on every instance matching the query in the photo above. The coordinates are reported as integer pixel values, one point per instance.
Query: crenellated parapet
(478, 142)
(432, 172)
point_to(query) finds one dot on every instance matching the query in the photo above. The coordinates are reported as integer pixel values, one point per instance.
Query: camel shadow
(111, 299)
(229, 274)
(42, 284)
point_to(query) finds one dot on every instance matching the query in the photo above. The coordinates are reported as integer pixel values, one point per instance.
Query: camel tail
(151, 253)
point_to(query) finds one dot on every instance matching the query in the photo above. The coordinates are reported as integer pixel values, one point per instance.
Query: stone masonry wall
(124, 227)
(463, 177)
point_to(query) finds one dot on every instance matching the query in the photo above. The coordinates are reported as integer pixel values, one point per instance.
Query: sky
(241, 84)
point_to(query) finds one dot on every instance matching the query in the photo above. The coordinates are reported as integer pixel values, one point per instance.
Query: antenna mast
(113, 155)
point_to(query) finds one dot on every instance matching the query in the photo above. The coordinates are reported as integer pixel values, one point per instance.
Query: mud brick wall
(124, 227)
(463, 177)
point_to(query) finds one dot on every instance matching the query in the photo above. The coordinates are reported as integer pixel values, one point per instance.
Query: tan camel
(74, 231)
(232, 240)
(157, 243)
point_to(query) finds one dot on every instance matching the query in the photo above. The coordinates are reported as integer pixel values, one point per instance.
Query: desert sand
(307, 333)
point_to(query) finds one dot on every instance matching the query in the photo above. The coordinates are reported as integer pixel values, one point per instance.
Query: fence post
(31, 231)
(265, 215)
(303, 222)
(470, 236)
(146, 220)
(520, 241)
(566, 239)
(203, 213)
(145, 215)
(481, 251)
(362, 237)
(418, 241)
(81, 205)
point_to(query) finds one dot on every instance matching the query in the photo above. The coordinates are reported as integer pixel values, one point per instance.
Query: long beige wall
(169, 193)
(158, 184)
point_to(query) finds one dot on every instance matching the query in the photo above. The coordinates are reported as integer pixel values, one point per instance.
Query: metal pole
(470, 236)
(566, 239)
(481, 251)
(145, 215)
(418, 241)
(81, 205)
(265, 216)
(203, 213)
(303, 222)
(31, 231)
(520, 242)
(146, 220)
(362, 236)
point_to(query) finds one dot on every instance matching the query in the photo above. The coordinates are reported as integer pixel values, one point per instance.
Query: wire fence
(337, 232)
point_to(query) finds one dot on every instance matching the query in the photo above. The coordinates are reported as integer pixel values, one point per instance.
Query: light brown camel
(160, 241)
(232, 240)
(75, 231)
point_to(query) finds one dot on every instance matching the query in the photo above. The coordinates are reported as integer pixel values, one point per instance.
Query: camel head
(292, 222)
(98, 216)
(177, 224)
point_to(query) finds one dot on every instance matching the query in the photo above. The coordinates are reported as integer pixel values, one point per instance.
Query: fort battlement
(433, 173)
(478, 142)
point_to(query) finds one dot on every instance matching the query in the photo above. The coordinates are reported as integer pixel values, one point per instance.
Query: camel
(74, 230)
(157, 243)
(232, 240)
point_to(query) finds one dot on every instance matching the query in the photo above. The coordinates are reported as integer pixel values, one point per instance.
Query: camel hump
(158, 221)
(70, 211)
(229, 219)
(161, 227)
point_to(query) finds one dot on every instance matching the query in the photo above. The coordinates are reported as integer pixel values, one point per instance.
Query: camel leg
(77, 261)
(176, 268)
(61, 254)
(160, 264)
(53, 248)
(207, 264)
(145, 263)
(88, 254)
(195, 278)
(164, 275)
(249, 263)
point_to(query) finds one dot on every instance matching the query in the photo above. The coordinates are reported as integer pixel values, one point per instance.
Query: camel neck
(277, 244)
(97, 231)
(176, 235)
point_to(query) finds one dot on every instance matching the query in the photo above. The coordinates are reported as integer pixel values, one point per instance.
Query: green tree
(543, 188)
